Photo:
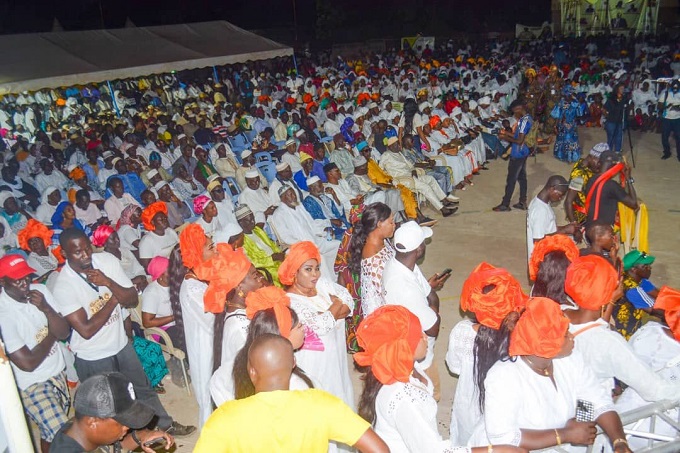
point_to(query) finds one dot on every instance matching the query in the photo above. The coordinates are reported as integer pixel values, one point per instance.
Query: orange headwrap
(552, 243)
(34, 229)
(77, 173)
(492, 307)
(434, 120)
(191, 242)
(307, 98)
(389, 337)
(540, 330)
(668, 300)
(223, 273)
(271, 297)
(298, 254)
(150, 212)
(591, 282)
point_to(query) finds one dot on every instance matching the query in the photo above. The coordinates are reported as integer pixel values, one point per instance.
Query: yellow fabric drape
(378, 176)
(634, 228)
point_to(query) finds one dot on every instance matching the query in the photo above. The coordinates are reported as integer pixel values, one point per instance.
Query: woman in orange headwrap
(495, 298)
(203, 279)
(322, 306)
(36, 239)
(159, 239)
(267, 312)
(542, 386)
(548, 266)
(594, 286)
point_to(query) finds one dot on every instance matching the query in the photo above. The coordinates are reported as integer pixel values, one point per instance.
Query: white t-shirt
(152, 245)
(410, 289)
(128, 235)
(72, 293)
(22, 324)
(540, 222)
(156, 300)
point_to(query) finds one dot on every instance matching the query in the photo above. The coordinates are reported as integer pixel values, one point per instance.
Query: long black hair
(490, 346)
(176, 273)
(218, 333)
(372, 215)
(262, 323)
(372, 386)
(410, 110)
(550, 277)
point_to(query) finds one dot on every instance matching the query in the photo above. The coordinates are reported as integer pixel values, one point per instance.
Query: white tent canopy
(50, 60)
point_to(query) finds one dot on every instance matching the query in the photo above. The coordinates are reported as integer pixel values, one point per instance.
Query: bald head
(270, 362)
(596, 230)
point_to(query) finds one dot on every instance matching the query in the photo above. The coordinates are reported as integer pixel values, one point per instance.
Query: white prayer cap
(159, 185)
(246, 153)
(472, 104)
(456, 111)
(106, 154)
(312, 180)
(181, 136)
(371, 105)
(284, 188)
(424, 105)
(252, 174)
(484, 100)
(436, 102)
(227, 232)
(391, 141)
(152, 173)
(358, 161)
(300, 133)
(282, 166)
(598, 149)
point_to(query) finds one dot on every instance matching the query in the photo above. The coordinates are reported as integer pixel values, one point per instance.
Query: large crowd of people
(272, 221)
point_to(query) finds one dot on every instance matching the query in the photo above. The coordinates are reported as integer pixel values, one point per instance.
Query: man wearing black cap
(517, 163)
(107, 410)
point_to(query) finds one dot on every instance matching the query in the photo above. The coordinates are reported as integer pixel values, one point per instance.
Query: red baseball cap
(14, 267)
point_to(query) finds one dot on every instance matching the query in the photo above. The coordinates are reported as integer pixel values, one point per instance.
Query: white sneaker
(452, 198)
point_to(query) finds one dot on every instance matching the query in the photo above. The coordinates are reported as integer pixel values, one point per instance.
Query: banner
(529, 33)
(417, 43)
(581, 17)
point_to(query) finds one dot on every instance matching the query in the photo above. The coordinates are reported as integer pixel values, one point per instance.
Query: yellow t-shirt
(281, 421)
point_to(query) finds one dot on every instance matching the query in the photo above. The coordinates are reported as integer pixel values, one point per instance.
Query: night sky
(345, 20)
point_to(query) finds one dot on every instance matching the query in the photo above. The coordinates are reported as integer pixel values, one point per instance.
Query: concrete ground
(476, 234)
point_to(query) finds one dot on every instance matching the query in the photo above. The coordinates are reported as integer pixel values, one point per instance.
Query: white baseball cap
(409, 236)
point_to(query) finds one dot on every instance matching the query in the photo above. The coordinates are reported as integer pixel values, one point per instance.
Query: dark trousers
(127, 362)
(517, 172)
(668, 127)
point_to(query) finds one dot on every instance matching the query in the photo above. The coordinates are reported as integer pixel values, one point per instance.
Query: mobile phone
(585, 411)
(445, 272)
(155, 443)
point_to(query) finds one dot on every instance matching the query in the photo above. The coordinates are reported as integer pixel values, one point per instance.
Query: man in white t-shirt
(92, 292)
(30, 327)
(541, 217)
(405, 285)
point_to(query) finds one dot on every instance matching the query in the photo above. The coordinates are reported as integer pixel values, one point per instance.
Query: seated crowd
(270, 237)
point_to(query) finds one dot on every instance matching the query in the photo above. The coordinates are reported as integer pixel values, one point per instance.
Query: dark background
(322, 20)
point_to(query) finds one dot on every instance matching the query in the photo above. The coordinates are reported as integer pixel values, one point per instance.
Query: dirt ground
(476, 234)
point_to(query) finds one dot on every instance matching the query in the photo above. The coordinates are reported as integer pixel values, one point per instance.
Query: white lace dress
(328, 367)
(372, 291)
(465, 413)
(406, 418)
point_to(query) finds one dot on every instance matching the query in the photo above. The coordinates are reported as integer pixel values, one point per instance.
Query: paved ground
(478, 234)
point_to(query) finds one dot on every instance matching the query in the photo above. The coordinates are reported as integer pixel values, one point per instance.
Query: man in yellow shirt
(276, 419)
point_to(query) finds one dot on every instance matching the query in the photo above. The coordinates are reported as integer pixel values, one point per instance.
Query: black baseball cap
(112, 395)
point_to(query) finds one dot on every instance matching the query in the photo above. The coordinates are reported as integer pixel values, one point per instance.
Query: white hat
(358, 161)
(472, 104)
(424, 105)
(313, 179)
(159, 185)
(289, 142)
(252, 173)
(372, 105)
(436, 102)
(181, 136)
(245, 153)
(409, 236)
(484, 100)
(300, 133)
(456, 111)
(598, 149)
(106, 154)
(282, 166)
(227, 232)
(152, 173)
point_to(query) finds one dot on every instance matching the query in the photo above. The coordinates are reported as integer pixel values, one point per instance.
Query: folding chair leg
(186, 380)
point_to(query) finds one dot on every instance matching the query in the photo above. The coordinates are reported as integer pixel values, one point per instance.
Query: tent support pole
(297, 73)
(113, 99)
(217, 79)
